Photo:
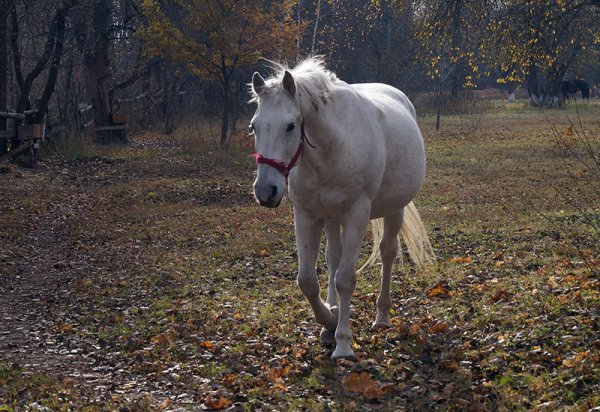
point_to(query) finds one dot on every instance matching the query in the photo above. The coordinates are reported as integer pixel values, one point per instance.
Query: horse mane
(313, 82)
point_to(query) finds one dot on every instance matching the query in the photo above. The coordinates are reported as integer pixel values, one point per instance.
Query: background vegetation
(73, 63)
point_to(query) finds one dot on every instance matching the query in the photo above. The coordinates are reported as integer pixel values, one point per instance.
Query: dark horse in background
(573, 86)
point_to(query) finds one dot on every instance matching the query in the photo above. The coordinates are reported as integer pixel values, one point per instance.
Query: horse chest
(322, 203)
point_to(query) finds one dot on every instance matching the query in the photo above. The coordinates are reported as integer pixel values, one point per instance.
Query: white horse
(353, 153)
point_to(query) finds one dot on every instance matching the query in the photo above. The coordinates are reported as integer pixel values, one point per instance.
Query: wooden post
(30, 136)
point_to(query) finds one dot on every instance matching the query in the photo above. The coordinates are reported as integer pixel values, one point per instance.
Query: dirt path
(46, 304)
(37, 305)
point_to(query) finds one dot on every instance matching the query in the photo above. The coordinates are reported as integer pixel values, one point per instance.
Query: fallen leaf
(499, 296)
(165, 404)
(363, 384)
(400, 325)
(277, 373)
(161, 339)
(569, 131)
(229, 379)
(440, 290)
(460, 259)
(279, 386)
(217, 404)
(207, 345)
(552, 283)
(415, 328)
(439, 327)
(65, 327)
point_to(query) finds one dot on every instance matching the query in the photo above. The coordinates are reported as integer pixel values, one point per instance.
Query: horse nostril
(273, 191)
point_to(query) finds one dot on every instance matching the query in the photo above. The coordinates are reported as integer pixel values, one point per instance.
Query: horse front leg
(333, 253)
(308, 236)
(355, 225)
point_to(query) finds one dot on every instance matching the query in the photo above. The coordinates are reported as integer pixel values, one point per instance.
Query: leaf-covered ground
(145, 278)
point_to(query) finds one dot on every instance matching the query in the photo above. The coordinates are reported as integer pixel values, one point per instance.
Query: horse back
(383, 94)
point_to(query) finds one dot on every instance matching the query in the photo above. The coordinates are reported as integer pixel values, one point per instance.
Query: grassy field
(146, 278)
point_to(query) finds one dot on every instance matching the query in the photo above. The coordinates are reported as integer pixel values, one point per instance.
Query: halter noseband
(282, 167)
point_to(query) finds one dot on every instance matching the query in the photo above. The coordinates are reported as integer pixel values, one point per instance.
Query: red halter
(284, 168)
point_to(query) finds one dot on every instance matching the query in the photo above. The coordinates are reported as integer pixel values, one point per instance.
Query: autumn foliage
(215, 39)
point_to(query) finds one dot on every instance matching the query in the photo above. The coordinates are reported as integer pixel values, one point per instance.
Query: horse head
(278, 132)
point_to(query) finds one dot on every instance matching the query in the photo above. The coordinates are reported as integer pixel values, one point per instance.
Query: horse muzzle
(268, 195)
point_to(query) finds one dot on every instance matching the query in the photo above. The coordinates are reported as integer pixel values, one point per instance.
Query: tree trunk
(171, 90)
(554, 89)
(67, 115)
(57, 25)
(316, 28)
(99, 78)
(5, 7)
(42, 108)
(533, 87)
(226, 76)
(52, 52)
(456, 81)
(225, 117)
(97, 63)
(438, 112)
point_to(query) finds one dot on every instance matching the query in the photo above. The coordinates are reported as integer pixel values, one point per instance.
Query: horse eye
(290, 127)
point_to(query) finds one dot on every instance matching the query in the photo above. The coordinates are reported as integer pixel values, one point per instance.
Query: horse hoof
(343, 352)
(327, 337)
(379, 325)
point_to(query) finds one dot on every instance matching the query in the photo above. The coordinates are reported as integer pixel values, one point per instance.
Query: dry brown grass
(182, 290)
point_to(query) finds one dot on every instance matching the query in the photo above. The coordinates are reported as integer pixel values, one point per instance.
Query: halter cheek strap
(282, 167)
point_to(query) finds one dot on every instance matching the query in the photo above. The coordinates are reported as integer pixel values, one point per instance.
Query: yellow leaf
(568, 363)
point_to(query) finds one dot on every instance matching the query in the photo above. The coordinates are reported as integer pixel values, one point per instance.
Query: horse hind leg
(333, 254)
(388, 248)
(355, 225)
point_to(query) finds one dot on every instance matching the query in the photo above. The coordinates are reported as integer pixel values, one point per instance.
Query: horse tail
(413, 234)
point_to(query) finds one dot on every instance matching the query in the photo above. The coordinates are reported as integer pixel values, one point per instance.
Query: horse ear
(258, 83)
(288, 83)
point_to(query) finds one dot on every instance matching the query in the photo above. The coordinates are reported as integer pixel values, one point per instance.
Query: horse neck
(320, 133)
